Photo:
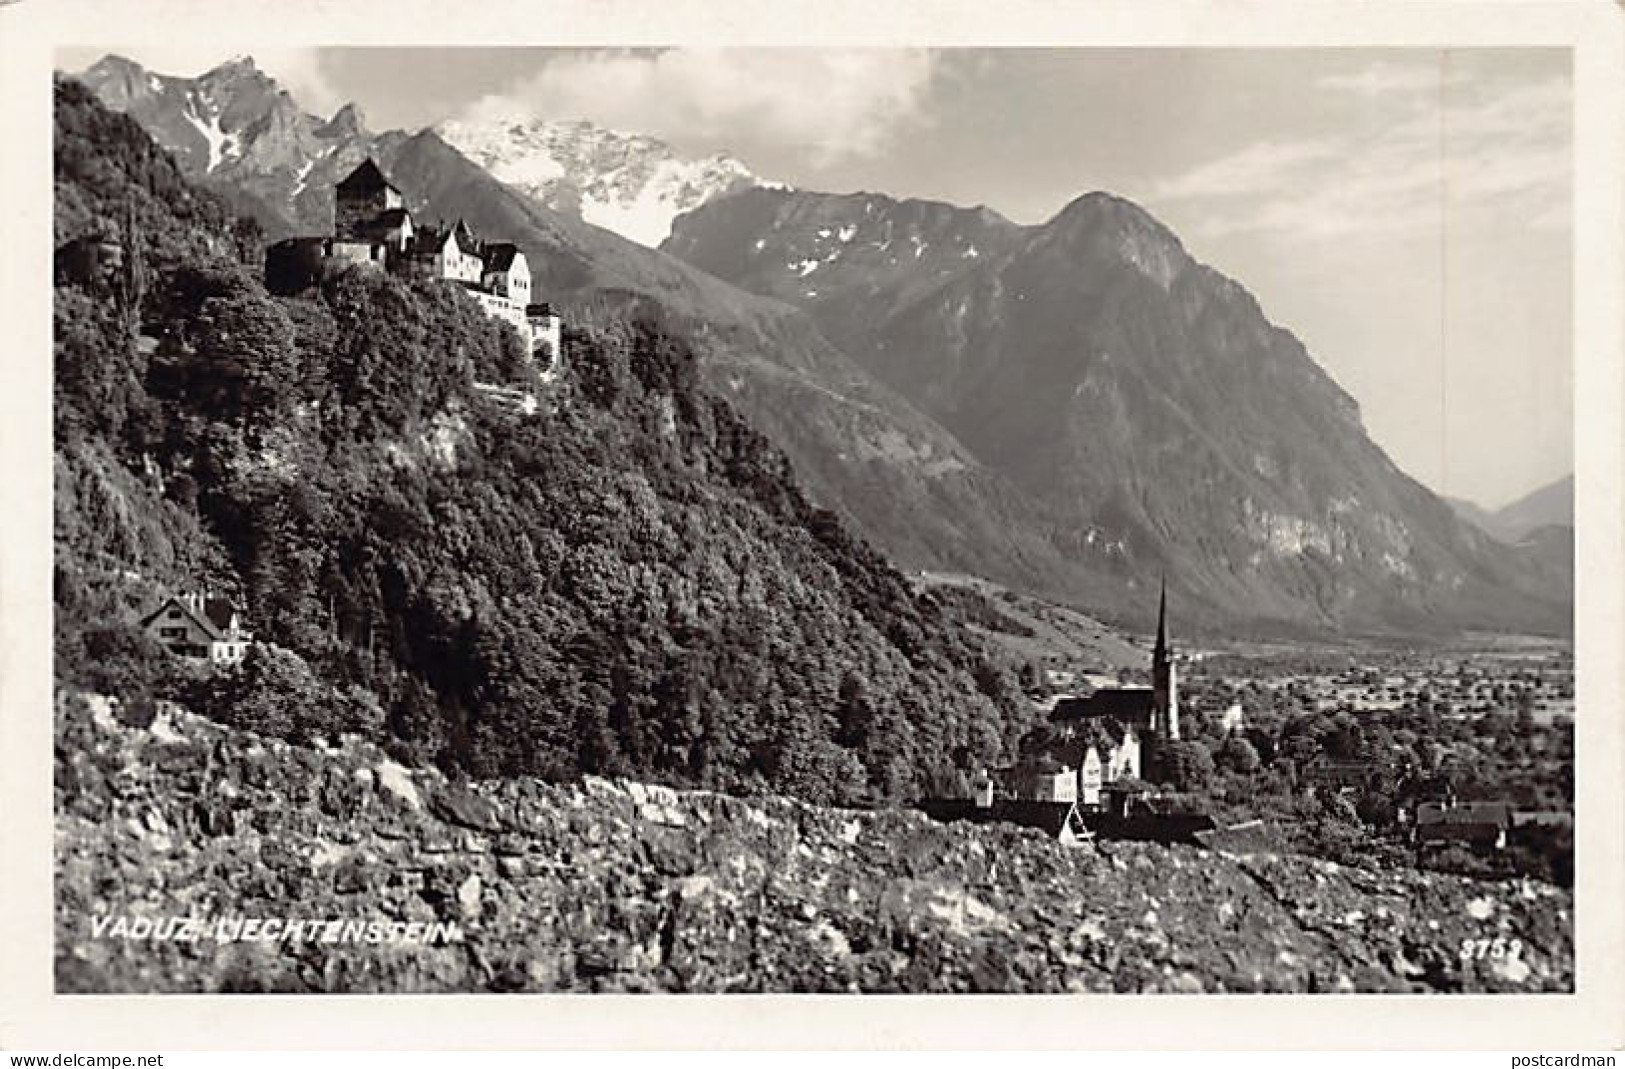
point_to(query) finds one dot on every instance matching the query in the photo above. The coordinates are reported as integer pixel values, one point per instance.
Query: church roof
(1049, 817)
(1160, 653)
(1121, 703)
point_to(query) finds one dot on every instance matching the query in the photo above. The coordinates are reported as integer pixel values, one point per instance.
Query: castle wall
(546, 341)
(352, 212)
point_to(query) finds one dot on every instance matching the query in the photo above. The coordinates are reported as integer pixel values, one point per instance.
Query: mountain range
(628, 183)
(1139, 396)
(240, 132)
(1072, 408)
(1551, 505)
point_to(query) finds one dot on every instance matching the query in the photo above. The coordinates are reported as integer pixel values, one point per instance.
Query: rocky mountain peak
(632, 184)
(1145, 400)
(119, 82)
(1110, 223)
(348, 121)
(238, 74)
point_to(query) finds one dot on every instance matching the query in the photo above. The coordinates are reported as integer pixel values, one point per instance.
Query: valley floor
(613, 886)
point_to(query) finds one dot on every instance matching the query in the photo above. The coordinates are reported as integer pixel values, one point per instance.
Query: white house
(196, 626)
(1102, 766)
(505, 272)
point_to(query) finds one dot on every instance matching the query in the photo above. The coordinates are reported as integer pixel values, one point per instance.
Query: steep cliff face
(1138, 395)
(615, 886)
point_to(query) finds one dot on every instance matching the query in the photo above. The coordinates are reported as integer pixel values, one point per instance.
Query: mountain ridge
(1139, 395)
(907, 393)
(857, 446)
(629, 183)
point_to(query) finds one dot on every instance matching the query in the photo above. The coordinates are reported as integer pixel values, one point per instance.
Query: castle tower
(360, 199)
(1164, 680)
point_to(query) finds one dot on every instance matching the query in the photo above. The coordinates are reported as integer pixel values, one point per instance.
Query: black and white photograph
(796, 518)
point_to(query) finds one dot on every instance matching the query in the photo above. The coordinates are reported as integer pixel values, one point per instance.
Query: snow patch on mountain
(219, 142)
(628, 183)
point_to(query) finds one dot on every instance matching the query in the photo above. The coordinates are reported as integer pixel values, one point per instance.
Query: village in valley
(1458, 756)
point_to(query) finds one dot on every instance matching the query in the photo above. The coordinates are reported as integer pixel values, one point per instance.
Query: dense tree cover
(1265, 771)
(628, 582)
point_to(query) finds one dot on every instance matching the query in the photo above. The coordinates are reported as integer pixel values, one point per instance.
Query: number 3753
(1494, 949)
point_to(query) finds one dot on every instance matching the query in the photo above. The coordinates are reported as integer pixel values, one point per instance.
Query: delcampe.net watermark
(274, 930)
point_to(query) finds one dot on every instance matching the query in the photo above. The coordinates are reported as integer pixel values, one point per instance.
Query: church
(1115, 732)
(1090, 778)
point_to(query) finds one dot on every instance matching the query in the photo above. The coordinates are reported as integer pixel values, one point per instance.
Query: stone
(572, 888)
(396, 781)
(460, 806)
(468, 896)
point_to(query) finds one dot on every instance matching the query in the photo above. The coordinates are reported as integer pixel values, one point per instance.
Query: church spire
(1160, 654)
(1164, 682)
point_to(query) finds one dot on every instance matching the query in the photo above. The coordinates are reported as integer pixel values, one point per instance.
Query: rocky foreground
(172, 839)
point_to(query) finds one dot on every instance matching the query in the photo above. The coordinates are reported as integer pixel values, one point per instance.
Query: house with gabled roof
(451, 253)
(1480, 825)
(505, 272)
(197, 626)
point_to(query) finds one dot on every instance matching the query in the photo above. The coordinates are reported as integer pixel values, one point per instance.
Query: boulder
(460, 806)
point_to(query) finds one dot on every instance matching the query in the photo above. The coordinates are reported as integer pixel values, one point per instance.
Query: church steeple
(1160, 654)
(1164, 682)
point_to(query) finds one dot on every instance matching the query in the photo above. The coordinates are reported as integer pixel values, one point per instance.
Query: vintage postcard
(588, 501)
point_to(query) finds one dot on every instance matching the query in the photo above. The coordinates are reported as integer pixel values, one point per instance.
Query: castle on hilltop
(373, 227)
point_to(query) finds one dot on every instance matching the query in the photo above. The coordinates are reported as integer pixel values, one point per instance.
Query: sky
(1405, 212)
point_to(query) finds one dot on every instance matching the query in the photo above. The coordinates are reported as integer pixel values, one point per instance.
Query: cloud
(1254, 169)
(1501, 148)
(831, 103)
(1385, 79)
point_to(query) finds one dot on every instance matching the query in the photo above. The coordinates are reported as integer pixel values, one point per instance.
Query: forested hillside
(628, 582)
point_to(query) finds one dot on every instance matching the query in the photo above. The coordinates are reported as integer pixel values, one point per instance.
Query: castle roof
(429, 240)
(500, 255)
(365, 178)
